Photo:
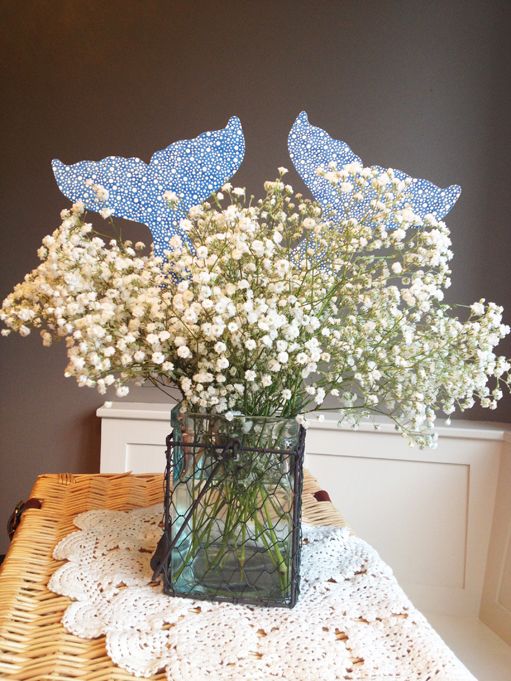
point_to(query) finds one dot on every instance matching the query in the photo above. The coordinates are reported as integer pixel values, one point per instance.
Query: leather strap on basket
(15, 517)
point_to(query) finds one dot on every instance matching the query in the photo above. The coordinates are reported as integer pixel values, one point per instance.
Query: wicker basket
(33, 644)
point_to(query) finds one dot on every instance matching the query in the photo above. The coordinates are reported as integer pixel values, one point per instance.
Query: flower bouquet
(255, 314)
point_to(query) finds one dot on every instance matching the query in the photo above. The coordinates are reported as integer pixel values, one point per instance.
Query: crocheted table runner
(352, 621)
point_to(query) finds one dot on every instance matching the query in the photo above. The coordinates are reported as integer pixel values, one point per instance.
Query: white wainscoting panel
(415, 511)
(133, 437)
(428, 512)
(496, 601)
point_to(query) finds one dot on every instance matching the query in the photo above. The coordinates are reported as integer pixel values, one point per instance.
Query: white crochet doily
(352, 621)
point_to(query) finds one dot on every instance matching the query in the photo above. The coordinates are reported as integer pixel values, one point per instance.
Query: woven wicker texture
(33, 644)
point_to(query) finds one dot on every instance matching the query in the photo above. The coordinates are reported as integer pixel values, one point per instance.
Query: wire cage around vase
(232, 518)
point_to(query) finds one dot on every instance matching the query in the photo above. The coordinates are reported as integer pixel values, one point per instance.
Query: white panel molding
(394, 506)
(496, 599)
(428, 512)
(122, 436)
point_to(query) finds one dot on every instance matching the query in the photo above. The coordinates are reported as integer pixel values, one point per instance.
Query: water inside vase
(233, 516)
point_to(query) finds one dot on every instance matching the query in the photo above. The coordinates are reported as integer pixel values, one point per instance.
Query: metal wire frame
(234, 450)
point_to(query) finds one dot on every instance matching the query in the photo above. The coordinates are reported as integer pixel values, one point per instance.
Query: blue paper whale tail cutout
(311, 147)
(193, 169)
(196, 168)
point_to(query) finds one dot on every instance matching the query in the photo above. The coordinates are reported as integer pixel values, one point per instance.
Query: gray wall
(421, 86)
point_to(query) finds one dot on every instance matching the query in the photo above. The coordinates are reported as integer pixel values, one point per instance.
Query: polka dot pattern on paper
(311, 147)
(193, 169)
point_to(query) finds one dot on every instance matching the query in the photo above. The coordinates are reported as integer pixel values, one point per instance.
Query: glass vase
(233, 509)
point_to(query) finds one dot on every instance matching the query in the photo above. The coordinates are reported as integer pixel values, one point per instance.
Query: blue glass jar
(233, 508)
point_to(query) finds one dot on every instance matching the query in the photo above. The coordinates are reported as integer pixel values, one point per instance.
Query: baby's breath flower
(171, 199)
(101, 193)
(267, 308)
(477, 308)
(183, 352)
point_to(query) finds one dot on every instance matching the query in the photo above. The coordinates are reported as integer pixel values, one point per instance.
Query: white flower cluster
(100, 297)
(270, 308)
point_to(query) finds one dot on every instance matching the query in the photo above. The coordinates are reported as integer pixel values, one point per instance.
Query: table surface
(33, 643)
